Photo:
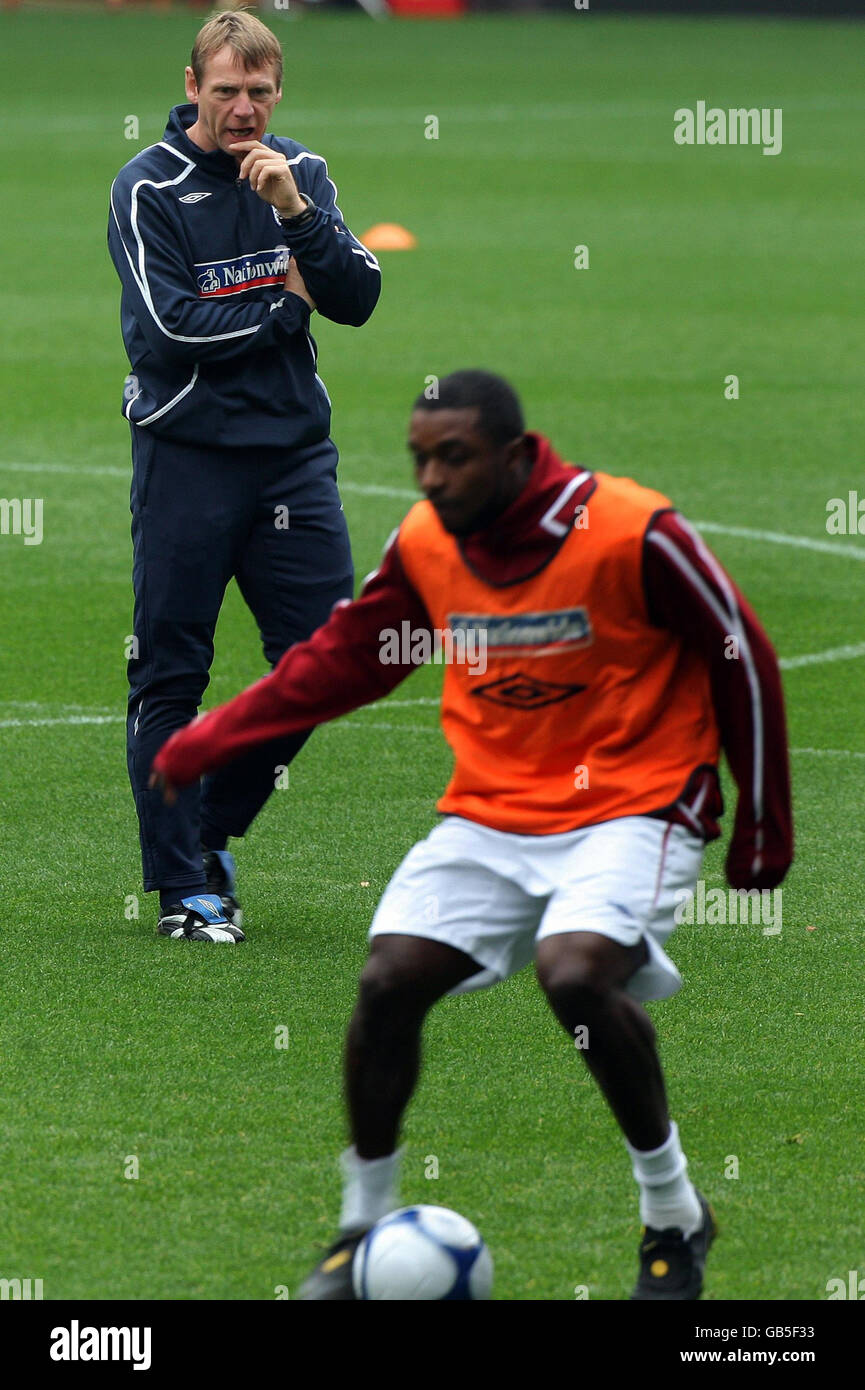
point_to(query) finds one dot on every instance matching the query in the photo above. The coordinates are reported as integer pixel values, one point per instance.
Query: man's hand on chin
(269, 176)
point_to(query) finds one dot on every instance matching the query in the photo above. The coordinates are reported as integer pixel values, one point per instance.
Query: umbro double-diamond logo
(525, 692)
(193, 197)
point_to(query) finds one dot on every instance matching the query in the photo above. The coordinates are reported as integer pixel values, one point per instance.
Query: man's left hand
(269, 176)
(159, 782)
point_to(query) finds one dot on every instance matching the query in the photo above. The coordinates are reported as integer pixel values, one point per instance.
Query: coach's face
(233, 103)
(468, 479)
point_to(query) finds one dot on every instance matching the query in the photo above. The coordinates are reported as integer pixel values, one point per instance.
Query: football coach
(226, 239)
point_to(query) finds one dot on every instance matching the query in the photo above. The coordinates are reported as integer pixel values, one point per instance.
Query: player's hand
(294, 282)
(269, 176)
(169, 792)
(774, 861)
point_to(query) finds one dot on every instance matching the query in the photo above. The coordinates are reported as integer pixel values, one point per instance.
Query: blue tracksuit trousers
(272, 519)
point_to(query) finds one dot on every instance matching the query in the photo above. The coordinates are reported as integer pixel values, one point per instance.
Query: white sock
(370, 1188)
(667, 1196)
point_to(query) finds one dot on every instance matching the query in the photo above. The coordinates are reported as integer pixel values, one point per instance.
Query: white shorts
(493, 894)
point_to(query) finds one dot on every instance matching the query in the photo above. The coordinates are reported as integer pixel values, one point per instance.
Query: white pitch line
(399, 116)
(65, 719)
(57, 707)
(402, 704)
(107, 471)
(787, 663)
(827, 547)
(857, 552)
(121, 719)
(849, 653)
(88, 470)
(828, 752)
(385, 727)
(74, 720)
(377, 490)
(91, 713)
(99, 719)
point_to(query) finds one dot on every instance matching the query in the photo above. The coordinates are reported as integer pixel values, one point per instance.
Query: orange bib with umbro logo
(562, 703)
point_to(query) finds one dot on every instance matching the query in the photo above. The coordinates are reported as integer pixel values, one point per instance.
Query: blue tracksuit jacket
(220, 351)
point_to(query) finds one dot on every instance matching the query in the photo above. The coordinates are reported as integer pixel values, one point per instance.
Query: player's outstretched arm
(690, 592)
(342, 666)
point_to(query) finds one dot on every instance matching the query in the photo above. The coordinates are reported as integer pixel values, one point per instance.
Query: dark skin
(583, 976)
(470, 481)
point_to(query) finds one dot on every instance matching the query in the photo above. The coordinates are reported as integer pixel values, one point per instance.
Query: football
(421, 1253)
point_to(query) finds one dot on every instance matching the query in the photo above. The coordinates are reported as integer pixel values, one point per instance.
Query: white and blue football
(420, 1253)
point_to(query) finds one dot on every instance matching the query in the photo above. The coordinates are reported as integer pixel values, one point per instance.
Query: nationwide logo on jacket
(249, 272)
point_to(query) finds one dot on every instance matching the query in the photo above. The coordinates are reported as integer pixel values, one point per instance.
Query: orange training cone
(389, 236)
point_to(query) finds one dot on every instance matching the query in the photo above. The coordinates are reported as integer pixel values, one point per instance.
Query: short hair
(500, 414)
(251, 40)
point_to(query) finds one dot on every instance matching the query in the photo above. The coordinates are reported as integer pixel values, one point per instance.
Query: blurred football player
(620, 660)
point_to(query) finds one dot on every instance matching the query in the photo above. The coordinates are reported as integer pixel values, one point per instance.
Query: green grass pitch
(703, 262)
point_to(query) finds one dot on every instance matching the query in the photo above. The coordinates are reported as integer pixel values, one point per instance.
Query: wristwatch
(302, 217)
